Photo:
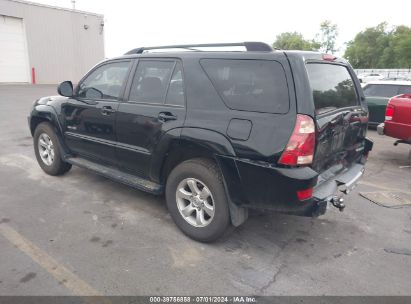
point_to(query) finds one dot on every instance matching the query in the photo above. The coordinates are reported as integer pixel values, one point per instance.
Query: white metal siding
(14, 66)
(62, 44)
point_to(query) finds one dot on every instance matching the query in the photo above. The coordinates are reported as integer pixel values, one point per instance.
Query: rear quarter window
(332, 87)
(249, 85)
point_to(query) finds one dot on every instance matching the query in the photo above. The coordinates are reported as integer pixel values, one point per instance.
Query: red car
(397, 119)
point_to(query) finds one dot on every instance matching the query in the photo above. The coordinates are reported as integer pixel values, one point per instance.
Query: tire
(205, 176)
(52, 164)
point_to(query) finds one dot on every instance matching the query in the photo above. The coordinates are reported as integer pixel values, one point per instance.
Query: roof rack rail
(249, 46)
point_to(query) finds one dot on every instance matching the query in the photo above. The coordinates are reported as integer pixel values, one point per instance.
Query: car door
(89, 116)
(155, 104)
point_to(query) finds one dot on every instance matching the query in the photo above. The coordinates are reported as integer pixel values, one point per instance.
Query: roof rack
(249, 46)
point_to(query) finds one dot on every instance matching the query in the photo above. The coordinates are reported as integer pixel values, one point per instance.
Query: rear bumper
(342, 183)
(380, 129)
(260, 185)
(373, 124)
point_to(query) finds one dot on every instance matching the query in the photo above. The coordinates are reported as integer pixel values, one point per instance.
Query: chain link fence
(404, 74)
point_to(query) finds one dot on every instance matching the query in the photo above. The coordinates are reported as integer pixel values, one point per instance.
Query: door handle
(166, 116)
(106, 110)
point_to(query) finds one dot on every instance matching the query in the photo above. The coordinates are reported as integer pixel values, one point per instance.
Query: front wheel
(47, 150)
(197, 201)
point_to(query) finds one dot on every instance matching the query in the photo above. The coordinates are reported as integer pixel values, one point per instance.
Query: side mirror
(65, 89)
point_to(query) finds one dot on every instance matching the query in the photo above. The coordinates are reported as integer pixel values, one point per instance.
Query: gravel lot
(83, 234)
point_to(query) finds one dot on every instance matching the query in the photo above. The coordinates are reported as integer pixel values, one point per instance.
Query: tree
(367, 48)
(295, 41)
(328, 36)
(381, 47)
(401, 45)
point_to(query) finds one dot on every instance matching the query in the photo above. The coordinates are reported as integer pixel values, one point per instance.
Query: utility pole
(73, 3)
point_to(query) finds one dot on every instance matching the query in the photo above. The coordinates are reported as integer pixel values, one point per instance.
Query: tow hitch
(338, 202)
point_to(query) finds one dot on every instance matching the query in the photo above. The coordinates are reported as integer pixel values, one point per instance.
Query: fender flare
(48, 113)
(213, 143)
(209, 141)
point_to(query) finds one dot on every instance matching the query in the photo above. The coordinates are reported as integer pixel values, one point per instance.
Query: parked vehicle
(367, 77)
(378, 93)
(397, 119)
(216, 132)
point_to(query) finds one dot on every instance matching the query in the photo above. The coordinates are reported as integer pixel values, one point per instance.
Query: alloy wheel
(195, 202)
(46, 149)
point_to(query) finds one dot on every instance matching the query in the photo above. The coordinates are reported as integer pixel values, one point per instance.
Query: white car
(366, 77)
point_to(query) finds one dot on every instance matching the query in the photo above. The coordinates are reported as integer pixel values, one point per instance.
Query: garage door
(14, 66)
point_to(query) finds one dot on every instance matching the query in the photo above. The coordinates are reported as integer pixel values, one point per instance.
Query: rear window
(332, 87)
(249, 85)
(380, 90)
(386, 90)
(403, 89)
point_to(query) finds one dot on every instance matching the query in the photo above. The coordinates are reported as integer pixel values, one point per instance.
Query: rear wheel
(197, 200)
(47, 150)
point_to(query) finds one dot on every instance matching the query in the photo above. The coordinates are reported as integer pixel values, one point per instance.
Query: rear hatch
(341, 120)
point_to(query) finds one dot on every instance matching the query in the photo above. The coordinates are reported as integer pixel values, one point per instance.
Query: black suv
(217, 131)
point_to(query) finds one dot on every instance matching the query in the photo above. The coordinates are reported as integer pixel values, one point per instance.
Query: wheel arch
(185, 144)
(202, 143)
(44, 113)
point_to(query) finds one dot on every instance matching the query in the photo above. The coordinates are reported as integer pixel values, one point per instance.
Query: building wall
(59, 46)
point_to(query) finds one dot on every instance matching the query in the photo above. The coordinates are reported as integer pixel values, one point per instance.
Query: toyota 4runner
(218, 132)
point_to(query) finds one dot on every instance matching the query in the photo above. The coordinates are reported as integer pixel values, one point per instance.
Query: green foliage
(328, 36)
(401, 44)
(295, 41)
(381, 47)
(375, 47)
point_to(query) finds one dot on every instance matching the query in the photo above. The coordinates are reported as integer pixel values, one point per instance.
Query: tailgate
(341, 120)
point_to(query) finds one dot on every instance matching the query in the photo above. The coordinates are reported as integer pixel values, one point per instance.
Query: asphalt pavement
(82, 234)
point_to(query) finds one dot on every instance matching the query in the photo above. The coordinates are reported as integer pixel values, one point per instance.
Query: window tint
(249, 85)
(151, 81)
(404, 89)
(381, 90)
(332, 87)
(105, 82)
(175, 94)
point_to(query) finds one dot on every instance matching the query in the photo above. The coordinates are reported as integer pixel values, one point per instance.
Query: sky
(130, 24)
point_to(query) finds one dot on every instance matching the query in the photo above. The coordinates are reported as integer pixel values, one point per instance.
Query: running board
(117, 175)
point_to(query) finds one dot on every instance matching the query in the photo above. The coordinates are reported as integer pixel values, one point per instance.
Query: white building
(47, 44)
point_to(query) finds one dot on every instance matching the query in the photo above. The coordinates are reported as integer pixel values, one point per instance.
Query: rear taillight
(389, 112)
(301, 146)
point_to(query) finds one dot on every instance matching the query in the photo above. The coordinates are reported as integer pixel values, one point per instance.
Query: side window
(175, 93)
(105, 82)
(249, 85)
(151, 81)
